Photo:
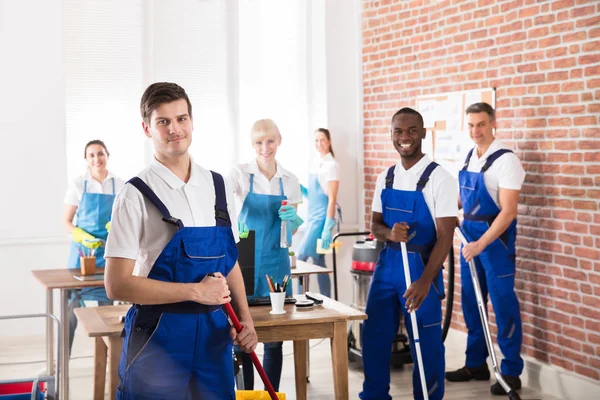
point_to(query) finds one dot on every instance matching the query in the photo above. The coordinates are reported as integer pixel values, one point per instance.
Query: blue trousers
(323, 279)
(499, 285)
(384, 305)
(272, 364)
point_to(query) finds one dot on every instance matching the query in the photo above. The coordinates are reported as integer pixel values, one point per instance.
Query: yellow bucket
(256, 395)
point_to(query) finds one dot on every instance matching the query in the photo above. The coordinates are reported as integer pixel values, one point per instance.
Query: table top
(63, 278)
(304, 268)
(104, 321)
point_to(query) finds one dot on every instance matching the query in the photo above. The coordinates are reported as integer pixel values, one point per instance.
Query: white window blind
(103, 64)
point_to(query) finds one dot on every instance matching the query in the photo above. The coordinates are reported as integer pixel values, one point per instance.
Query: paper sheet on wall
(444, 145)
(429, 111)
(455, 112)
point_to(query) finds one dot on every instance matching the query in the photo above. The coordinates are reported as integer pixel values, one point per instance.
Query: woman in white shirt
(91, 197)
(261, 185)
(323, 185)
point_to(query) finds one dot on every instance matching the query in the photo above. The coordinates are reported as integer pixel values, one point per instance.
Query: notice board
(447, 140)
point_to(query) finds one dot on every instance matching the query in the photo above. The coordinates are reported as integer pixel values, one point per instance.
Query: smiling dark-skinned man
(414, 202)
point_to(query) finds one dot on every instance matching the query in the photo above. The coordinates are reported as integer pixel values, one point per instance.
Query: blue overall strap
(389, 178)
(281, 186)
(251, 183)
(221, 214)
(113, 185)
(425, 176)
(84, 185)
(464, 168)
(493, 157)
(160, 206)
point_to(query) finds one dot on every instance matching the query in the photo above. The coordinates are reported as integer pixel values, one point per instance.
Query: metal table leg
(50, 333)
(306, 288)
(64, 337)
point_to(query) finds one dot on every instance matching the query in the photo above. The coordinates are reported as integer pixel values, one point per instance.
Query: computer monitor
(246, 255)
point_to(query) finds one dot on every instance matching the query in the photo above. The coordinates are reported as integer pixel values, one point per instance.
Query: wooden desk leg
(115, 344)
(300, 347)
(339, 360)
(100, 352)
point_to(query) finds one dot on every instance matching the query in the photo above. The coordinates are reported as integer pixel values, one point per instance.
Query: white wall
(32, 129)
(32, 154)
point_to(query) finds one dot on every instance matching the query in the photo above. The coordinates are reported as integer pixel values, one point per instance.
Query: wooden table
(326, 321)
(303, 271)
(61, 279)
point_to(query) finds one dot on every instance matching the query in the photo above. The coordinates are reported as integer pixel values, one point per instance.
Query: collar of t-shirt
(172, 180)
(327, 157)
(495, 145)
(252, 168)
(416, 170)
(90, 178)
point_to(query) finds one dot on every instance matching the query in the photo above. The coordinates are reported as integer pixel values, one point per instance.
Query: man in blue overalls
(413, 203)
(490, 183)
(171, 251)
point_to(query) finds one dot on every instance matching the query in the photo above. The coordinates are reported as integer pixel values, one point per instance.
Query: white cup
(277, 302)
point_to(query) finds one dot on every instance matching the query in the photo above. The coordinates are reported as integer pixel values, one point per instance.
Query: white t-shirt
(75, 189)
(506, 172)
(439, 192)
(327, 169)
(138, 231)
(239, 180)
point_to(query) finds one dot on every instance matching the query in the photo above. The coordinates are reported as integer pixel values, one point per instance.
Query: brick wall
(544, 59)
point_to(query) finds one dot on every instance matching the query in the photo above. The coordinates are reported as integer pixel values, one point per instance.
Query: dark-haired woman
(322, 192)
(91, 198)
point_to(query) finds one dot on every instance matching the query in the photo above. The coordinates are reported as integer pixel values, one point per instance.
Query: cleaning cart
(41, 387)
(365, 252)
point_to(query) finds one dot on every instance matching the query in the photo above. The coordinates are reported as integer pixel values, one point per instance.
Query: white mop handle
(415, 326)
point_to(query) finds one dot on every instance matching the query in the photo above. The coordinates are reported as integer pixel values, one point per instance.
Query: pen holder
(88, 265)
(277, 302)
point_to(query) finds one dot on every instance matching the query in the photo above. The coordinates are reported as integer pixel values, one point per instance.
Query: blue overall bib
(385, 301)
(496, 271)
(260, 214)
(317, 213)
(93, 212)
(182, 350)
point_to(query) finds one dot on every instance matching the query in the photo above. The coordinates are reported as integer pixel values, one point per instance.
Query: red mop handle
(238, 327)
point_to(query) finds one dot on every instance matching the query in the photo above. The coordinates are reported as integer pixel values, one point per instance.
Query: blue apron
(496, 270)
(385, 301)
(93, 213)
(317, 213)
(182, 350)
(260, 214)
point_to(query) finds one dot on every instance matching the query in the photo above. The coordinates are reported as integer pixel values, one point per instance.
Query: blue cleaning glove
(242, 230)
(287, 213)
(326, 233)
(304, 191)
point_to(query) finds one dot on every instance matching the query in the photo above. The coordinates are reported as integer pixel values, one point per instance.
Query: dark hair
(481, 107)
(408, 110)
(92, 142)
(160, 93)
(328, 136)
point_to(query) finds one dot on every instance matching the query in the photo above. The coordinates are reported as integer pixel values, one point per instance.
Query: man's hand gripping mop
(235, 322)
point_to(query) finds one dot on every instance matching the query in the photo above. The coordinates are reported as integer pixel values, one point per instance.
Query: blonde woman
(261, 185)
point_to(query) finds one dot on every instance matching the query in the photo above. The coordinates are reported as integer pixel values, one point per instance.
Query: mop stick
(415, 328)
(484, 321)
(233, 319)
